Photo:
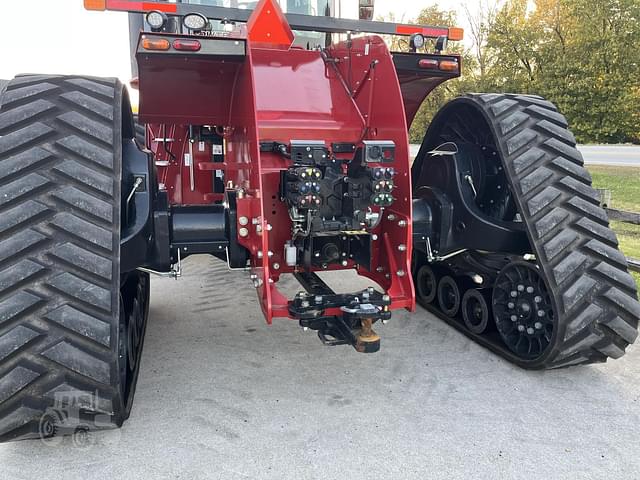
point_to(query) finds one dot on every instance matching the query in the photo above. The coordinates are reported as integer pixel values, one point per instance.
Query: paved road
(614, 155)
(223, 396)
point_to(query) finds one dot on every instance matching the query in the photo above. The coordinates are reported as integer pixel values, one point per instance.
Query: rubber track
(595, 296)
(59, 245)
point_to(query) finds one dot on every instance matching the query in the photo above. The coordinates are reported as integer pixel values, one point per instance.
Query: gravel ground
(222, 395)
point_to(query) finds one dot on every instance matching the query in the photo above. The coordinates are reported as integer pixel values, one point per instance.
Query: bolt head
(514, 318)
(521, 328)
(276, 266)
(514, 294)
(401, 273)
(345, 263)
(243, 221)
(260, 254)
(521, 288)
(529, 289)
(538, 325)
(537, 299)
(530, 331)
(541, 313)
(402, 223)
(374, 237)
(243, 232)
(402, 248)
(511, 305)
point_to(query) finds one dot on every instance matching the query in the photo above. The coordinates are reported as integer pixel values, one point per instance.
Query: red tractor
(285, 153)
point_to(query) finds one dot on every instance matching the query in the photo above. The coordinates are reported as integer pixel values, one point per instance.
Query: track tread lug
(578, 291)
(23, 160)
(543, 199)
(582, 320)
(568, 266)
(21, 93)
(82, 290)
(550, 221)
(19, 242)
(82, 323)
(16, 304)
(528, 158)
(605, 234)
(15, 380)
(87, 150)
(73, 225)
(79, 361)
(520, 140)
(550, 115)
(86, 203)
(589, 208)
(15, 339)
(87, 126)
(513, 121)
(86, 176)
(536, 178)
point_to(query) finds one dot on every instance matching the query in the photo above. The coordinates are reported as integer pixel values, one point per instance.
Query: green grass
(624, 183)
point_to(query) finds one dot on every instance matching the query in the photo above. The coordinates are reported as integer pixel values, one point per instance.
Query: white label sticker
(216, 149)
(187, 160)
(201, 146)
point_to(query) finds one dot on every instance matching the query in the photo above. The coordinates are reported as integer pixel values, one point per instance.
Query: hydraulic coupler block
(300, 187)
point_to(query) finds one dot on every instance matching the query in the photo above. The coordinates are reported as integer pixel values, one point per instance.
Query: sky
(59, 36)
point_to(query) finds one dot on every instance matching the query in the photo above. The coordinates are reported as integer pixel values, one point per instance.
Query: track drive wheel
(71, 323)
(527, 170)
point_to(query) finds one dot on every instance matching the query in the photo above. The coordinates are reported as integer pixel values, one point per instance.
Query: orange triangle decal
(269, 27)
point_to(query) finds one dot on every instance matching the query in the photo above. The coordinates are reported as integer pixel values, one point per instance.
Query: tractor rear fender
(419, 74)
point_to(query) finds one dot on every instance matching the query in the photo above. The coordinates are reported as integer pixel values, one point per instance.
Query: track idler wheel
(426, 285)
(449, 297)
(523, 310)
(475, 311)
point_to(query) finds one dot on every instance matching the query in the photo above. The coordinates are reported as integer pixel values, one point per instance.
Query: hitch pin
(470, 182)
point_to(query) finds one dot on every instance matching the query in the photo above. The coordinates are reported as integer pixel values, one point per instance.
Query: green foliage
(584, 55)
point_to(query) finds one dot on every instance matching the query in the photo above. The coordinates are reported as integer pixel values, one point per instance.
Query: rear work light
(155, 44)
(187, 45)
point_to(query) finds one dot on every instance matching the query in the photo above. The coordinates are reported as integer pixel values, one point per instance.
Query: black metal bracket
(353, 327)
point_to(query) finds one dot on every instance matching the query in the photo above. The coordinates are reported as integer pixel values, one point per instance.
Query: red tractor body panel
(276, 95)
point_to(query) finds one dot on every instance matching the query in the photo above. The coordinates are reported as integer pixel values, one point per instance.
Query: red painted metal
(128, 5)
(350, 93)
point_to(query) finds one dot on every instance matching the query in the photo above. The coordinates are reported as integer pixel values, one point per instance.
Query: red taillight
(188, 45)
(155, 44)
(428, 63)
